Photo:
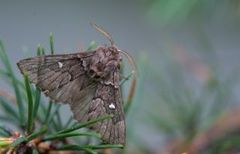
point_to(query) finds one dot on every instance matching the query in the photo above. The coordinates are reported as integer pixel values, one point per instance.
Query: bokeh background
(186, 51)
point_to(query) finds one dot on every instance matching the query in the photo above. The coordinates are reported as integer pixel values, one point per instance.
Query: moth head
(115, 51)
(105, 61)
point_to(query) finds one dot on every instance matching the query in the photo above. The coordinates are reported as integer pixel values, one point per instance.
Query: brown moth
(88, 82)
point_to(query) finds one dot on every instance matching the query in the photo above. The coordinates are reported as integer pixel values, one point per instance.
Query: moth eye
(91, 72)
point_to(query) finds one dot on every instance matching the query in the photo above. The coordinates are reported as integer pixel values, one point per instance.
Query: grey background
(24, 24)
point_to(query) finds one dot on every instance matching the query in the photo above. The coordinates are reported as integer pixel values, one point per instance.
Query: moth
(88, 81)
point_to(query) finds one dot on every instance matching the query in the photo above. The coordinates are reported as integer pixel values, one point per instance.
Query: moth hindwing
(88, 82)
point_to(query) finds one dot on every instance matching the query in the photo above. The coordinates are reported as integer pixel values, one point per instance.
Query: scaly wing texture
(63, 78)
(107, 100)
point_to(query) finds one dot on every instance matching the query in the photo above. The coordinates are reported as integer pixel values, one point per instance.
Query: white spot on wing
(111, 106)
(60, 64)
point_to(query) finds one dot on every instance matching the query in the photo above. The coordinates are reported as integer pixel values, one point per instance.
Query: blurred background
(186, 51)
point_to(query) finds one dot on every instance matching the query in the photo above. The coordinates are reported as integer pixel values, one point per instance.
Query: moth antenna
(131, 62)
(106, 34)
(134, 80)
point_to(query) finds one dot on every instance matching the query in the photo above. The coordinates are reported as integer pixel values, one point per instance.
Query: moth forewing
(88, 82)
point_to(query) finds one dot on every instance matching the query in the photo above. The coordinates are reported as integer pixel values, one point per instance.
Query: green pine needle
(5, 60)
(30, 104)
(34, 135)
(50, 104)
(73, 134)
(36, 102)
(85, 124)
